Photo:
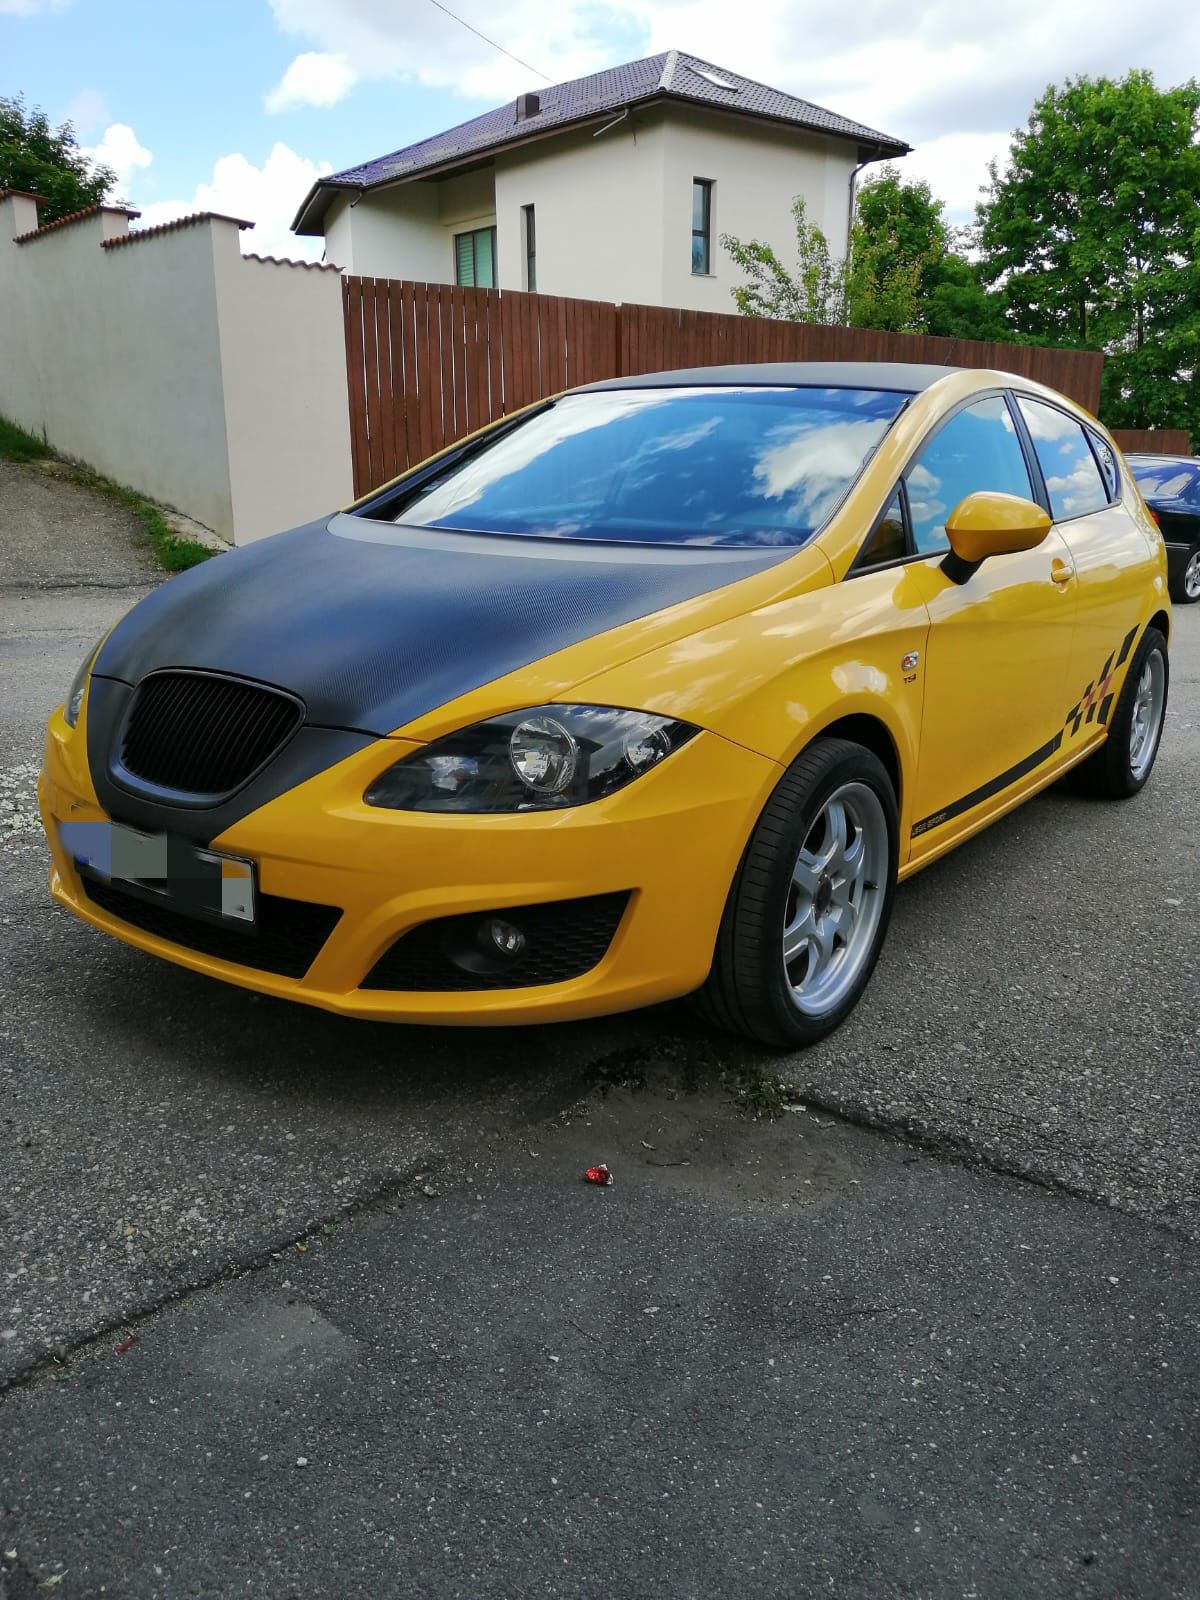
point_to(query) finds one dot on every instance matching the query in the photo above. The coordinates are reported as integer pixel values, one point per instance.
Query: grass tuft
(172, 551)
(17, 445)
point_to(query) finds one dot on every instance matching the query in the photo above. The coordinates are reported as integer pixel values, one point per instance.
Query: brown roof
(75, 216)
(23, 194)
(172, 227)
(283, 261)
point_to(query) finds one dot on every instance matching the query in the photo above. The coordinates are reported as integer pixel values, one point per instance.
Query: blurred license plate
(190, 879)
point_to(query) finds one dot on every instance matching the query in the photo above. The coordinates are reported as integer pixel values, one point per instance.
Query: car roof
(1148, 458)
(904, 376)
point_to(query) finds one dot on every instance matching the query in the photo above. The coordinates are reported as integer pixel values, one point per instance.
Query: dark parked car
(1170, 486)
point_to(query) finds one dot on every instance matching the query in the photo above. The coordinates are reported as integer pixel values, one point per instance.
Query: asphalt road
(888, 1352)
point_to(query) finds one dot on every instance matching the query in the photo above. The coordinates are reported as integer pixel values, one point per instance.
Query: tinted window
(1072, 477)
(976, 450)
(1168, 480)
(886, 540)
(727, 466)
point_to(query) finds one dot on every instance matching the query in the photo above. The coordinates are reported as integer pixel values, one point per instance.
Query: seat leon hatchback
(655, 688)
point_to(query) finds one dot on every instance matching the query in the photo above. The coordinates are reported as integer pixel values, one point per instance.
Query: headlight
(74, 702)
(538, 760)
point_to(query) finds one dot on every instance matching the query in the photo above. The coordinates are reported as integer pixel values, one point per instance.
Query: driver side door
(1000, 643)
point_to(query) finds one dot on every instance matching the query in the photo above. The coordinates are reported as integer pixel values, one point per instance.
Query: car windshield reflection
(741, 466)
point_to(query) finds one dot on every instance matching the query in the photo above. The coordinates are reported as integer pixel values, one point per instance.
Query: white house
(613, 187)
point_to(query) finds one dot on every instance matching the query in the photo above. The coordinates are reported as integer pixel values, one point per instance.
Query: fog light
(502, 937)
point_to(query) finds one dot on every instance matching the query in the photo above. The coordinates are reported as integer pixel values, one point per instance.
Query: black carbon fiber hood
(373, 625)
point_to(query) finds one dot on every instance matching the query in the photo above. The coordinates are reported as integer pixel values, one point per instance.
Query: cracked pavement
(822, 1355)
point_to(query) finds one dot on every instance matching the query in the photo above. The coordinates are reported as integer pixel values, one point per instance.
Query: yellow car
(659, 686)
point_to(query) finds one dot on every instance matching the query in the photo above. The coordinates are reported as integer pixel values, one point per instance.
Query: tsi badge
(908, 665)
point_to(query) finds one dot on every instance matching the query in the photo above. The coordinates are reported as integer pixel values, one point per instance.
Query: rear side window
(977, 450)
(1108, 465)
(1072, 474)
(886, 541)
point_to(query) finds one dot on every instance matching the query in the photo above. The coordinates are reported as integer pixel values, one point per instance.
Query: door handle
(1061, 572)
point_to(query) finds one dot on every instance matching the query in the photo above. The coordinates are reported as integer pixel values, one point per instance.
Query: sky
(239, 105)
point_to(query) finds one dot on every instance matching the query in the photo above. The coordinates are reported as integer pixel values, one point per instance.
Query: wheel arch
(1162, 621)
(873, 733)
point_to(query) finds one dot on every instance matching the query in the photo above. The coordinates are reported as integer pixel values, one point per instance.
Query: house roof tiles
(171, 227)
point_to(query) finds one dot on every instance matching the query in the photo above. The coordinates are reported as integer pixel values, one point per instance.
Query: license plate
(159, 865)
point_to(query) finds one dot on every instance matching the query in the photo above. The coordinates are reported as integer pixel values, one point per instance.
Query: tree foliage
(1092, 233)
(904, 271)
(815, 292)
(47, 161)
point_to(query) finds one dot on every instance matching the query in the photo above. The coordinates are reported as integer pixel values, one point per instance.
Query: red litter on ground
(600, 1175)
(126, 1344)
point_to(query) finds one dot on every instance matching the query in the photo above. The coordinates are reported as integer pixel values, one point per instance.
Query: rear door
(1113, 560)
(999, 645)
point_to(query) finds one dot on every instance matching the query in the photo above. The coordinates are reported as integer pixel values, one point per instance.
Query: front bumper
(672, 839)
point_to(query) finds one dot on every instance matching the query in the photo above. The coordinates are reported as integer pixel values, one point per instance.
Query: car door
(1000, 643)
(1110, 555)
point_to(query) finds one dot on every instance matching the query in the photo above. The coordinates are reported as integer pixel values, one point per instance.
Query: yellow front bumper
(673, 838)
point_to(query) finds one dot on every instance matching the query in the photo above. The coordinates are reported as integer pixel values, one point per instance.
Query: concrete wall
(613, 208)
(211, 382)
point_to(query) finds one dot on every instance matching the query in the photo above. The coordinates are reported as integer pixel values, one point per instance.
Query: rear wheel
(1126, 758)
(809, 907)
(1186, 589)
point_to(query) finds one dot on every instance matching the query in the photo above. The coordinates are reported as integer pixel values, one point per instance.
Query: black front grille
(563, 939)
(199, 734)
(287, 937)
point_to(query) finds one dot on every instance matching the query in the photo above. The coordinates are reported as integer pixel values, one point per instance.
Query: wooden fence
(429, 363)
(1154, 441)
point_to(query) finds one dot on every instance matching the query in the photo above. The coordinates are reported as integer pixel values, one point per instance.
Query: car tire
(820, 867)
(1123, 763)
(1185, 591)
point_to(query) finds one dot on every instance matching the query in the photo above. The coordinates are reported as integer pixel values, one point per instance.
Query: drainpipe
(853, 196)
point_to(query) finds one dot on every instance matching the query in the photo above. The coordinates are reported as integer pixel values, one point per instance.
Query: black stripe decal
(987, 790)
(1126, 646)
(1105, 708)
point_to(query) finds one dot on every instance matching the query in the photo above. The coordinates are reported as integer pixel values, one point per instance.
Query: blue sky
(237, 105)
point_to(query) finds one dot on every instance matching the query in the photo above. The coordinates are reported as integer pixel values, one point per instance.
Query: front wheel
(809, 907)
(1126, 758)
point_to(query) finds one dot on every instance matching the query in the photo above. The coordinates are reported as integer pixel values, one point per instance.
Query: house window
(702, 226)
(530, 248)
(475, 259)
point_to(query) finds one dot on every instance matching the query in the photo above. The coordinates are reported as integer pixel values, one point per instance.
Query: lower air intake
(561, 940)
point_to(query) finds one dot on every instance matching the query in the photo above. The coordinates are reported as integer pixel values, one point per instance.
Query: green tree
(815, 292)
(48, 162)
(908, 270)
(904, 272)
(1092, 233)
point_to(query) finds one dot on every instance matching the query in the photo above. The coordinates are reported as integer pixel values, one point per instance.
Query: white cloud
(315, 78)
(26, 8)
(952, 80)
(121, 150)
(268, 196)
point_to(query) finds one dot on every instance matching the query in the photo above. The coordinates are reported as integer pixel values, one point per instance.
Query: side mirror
(988, 524)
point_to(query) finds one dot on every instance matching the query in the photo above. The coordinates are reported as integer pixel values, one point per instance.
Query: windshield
(1168, 480)
(717, 466)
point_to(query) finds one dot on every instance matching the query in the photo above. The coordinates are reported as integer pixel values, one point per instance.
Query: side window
(977, 450)
(886, 540)
(1072, 476)
(1108, 465)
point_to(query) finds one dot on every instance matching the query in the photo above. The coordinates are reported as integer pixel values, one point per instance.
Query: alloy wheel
(835, 898)
(1147, 714)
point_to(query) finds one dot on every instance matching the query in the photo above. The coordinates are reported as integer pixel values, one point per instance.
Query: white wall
(408, 232)
(597, 199)
(757, 171)
(213, 383)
